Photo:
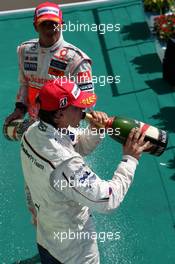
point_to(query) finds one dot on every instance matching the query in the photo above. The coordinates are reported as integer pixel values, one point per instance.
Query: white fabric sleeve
(23, 84)
(80, 184)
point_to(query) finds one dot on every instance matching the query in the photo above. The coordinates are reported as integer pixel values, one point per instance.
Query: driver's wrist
(21, 107)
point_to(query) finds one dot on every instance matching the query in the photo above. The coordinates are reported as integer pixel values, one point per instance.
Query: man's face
(73, 116)
(48, 31)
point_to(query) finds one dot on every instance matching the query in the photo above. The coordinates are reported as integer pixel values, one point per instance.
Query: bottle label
(163, 137)
(150, 131)
(156, 136)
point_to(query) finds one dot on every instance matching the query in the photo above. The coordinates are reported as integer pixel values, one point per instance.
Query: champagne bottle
(121, 127)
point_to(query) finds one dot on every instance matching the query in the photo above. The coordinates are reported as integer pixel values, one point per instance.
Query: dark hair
(47, 116)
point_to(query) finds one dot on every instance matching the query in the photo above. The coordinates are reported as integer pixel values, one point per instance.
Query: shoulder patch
(32, 41)
(79, 52)
(30, 46)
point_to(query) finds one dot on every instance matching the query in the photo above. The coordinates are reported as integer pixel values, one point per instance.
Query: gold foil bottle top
(109, 122)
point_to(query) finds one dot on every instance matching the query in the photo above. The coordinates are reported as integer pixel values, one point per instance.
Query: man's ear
(58, 115)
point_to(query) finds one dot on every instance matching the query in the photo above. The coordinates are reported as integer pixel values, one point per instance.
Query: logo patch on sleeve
(84, 77)
(86, 87)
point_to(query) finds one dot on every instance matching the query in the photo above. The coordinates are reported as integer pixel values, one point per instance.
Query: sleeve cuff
(129, 159)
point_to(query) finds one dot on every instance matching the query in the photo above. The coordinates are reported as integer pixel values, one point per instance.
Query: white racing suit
(64, 190)
(38, 64)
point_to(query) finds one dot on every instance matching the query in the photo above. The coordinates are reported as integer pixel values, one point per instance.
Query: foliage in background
(160, 6)
(164, 26)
